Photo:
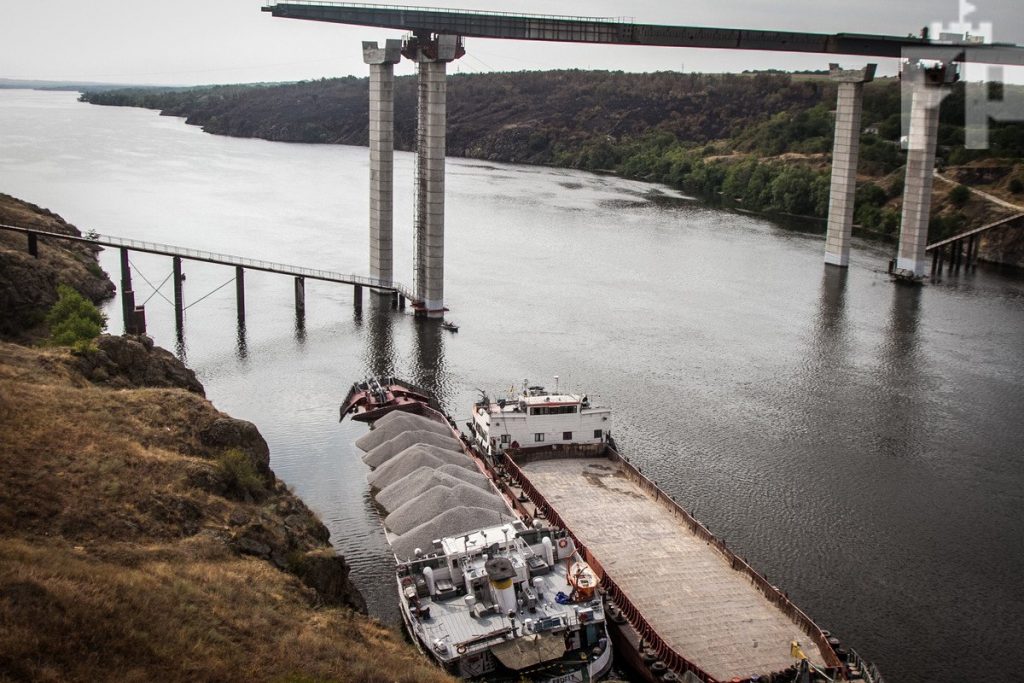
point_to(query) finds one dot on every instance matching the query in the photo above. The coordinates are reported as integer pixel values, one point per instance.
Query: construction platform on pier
(702, 601)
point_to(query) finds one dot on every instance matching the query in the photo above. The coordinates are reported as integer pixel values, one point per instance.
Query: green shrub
(74, 320)
(959, 196)
(1016, 186)
(240, 474)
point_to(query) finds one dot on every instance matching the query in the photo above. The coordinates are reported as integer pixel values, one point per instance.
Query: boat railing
(869, 671)
(665, 652)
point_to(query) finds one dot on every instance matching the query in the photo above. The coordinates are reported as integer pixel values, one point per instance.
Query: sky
(194, 42)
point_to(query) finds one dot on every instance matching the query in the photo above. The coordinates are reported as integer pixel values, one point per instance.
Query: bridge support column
(300, 297)
(382, 136)
(33, 245)
(179, 307)
(432, 53)
(128, 315)
(240, 294)
(845, 154)
(928, 88)
(357, 297)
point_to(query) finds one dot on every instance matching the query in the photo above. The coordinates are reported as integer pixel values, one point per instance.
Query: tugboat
(375, 397)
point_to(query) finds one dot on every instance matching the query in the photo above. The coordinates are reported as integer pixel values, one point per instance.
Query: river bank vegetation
(762, 141)
(143, 535)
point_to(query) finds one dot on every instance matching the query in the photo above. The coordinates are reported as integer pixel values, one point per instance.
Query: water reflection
(830, 328)
(429, 368)
(901, 378)
(241, 345)
(379, 352)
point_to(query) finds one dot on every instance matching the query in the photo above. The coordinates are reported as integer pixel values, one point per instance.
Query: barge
(679, 604)
(485, 595)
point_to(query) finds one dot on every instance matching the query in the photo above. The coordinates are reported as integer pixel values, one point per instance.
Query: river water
(861, 443)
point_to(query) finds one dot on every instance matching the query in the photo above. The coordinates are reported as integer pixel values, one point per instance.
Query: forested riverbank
(760, 140)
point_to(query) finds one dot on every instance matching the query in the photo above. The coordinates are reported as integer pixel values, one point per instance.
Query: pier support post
(179, 307)
(432, 53)
(928, 87)
(845, 155)
(382, 135)
(128, 315)
(300, 296)
(357, 297)
(139, 320)
(240, 294)
(33, 245)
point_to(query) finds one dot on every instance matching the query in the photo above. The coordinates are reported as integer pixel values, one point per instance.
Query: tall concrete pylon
(382, 154)
(845, 154)
(928, 86)
(432, 54)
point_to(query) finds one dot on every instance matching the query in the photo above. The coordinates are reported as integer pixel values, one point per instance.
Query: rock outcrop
(133, 361)
(28, 285)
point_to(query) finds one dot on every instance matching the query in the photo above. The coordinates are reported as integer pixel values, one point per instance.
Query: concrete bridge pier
(845, 154)
(240, 294)
(382, 62)
(432, 53)
(127, 295)
(929, 85)
(179, 299)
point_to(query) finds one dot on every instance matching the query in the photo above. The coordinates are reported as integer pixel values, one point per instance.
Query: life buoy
(562, 543)
(461, 649)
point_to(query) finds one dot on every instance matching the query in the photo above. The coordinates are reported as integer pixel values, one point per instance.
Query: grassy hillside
(143, 535)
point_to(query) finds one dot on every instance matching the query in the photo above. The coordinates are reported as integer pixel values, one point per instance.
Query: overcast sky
(231, 41)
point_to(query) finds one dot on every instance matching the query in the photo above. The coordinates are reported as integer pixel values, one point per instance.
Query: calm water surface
(859, 442)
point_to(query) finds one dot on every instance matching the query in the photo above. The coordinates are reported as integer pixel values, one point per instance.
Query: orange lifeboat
(583, 580)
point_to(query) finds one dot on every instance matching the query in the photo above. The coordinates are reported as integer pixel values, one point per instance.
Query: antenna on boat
(556, 384)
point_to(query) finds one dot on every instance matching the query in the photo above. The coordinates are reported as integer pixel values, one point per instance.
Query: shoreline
(145, 528)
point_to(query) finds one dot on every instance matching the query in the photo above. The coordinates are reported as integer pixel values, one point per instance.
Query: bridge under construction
(435, 38)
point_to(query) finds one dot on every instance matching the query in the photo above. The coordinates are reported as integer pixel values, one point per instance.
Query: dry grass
(113, 566)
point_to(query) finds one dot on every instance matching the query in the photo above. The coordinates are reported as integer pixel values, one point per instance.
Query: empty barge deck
(699, 606)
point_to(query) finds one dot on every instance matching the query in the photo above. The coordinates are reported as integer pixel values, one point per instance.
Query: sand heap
(393, 496)
(456, 521)
(392, 447)
(393, 424)
(413, 458)
(427, 483)
(437, 500)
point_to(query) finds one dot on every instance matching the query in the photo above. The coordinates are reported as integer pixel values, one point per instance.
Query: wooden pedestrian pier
(695, 604)
(134, 316)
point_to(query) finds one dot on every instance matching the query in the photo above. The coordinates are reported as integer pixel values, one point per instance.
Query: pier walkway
(705, 603)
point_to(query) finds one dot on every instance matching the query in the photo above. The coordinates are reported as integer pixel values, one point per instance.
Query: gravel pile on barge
(396, 495)
(430, 488)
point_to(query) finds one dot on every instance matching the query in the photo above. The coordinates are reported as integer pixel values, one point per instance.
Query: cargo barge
(680, 605)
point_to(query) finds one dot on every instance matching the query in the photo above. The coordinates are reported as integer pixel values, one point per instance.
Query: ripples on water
(857, 441)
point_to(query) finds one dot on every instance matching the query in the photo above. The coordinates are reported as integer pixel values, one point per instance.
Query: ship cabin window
(538, 437)
(504, 438)
(597, 434)
(566, 436)
(553, 410)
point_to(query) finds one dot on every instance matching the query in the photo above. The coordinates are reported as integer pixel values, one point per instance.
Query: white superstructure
(536, 418)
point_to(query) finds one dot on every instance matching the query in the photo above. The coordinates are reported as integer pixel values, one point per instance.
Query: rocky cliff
(143, 534)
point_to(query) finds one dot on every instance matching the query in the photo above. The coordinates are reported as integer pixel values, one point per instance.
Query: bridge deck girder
(502, 25)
